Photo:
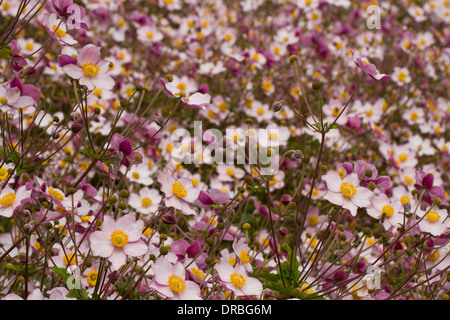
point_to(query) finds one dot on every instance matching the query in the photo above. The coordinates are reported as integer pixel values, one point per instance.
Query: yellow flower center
(230, 171)
(404, 199)
(8, 199)
(232, 261)
(92, 278)
(194, 182)
(135, 175)
(403, 157)
(433, 216)
(147, 231)
(119, 238)
(3, 173)
(198, 273)
(336, 112)
(245, 258)
(98, 92)
(348, 189)
(85, 218)
(149, 35)
(237, 279)
(402, 76)
(211, 114)
(181, 86)
(267, 86)
(272, 181)
(179, 190)
(260, 111)
(56, 194)
(90, 69)
(273, 136)
(387, 210)
(313, 220)
(434, 256)
(409, 180)
(307, 291)
(414, 116)
(176, 283)
(60, 33)
(69, 259)
(3, 101)
(146, 201)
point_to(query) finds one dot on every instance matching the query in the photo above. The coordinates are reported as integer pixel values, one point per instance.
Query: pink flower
(170, 281)
(237, 280)
(10, 99)
(90, 70)
(198, 100)
(346, 192)
(10, 200)
(179, 193)
(58, 30)
(368, 67)
(118, 239)
(433, 221)
(383, 207)
(424, 182)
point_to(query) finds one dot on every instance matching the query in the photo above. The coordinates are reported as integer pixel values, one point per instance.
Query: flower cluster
(242, 150)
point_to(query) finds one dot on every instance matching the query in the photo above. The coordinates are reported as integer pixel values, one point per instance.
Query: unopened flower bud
(298, 154)
(27, 228)
(372, 186)
(276, 106)
(293, 58)
(407, 207)
(112, 199)
(316, 85)
(437, 201)
(283, 231)
(163, 250)
(286, 198)
(124, 193)
(159, 121)
(169, 78)
(76, 127)
(169, 218)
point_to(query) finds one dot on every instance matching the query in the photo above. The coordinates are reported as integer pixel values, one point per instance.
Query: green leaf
(5, 53)
(271, 277)
(63, 273)
(79, 294)
(290, 274)
(293, 292)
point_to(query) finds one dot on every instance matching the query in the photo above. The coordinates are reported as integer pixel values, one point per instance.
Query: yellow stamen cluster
(176, 283)
(119, 238)
(179, 190)
(348, 189)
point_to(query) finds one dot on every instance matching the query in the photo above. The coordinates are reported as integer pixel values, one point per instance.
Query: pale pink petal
(130, 226)
(90, 53)
(101, 245)
(118, 258)
(362, 197)
(103, 81)
(73, 71)
(333, 181)
(135, 249)
(334, 197)
(87, 81)
(108, 225)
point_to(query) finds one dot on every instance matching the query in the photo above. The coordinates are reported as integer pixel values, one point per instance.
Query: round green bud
(112, 199)
(163, 250)
(293, 58)
(124, 193)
